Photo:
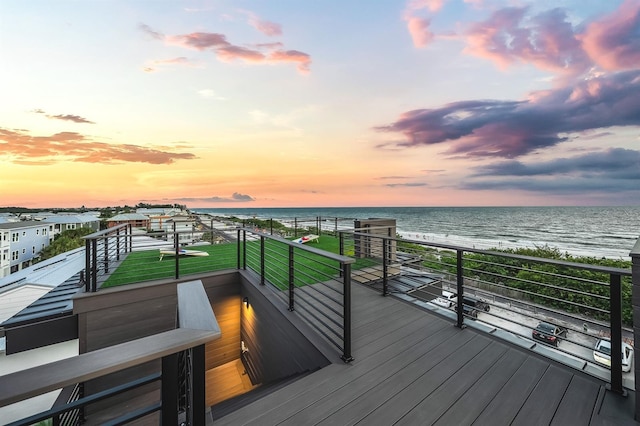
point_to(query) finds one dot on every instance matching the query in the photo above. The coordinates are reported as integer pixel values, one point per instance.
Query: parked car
(472, 305)
(602, 354)
(549, 333)
(447, 300)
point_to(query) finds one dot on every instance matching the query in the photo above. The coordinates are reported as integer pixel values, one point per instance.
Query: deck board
(414, 367)
(468, 407)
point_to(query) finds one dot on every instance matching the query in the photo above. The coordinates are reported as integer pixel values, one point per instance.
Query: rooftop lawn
(146, 265)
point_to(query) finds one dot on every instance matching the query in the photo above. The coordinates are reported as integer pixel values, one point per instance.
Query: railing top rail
(105, 231)
(575, 265)
(25, 384)
(328, 255)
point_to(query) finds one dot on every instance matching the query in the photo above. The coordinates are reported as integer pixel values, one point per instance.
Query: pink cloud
(21, 147)
(229, 53)
(431, 5)
(267, 28)
(419, 30)
(303, 60)
(613, 42)
(417, 26)
(263, 53)
(546, 40)
(198, 41)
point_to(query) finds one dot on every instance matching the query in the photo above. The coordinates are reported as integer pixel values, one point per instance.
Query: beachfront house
(21, 243)
(269, 331)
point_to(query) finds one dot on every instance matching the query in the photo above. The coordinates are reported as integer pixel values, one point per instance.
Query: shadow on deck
(414, 367)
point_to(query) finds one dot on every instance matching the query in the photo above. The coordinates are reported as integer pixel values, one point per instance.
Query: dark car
(549, 333)
(471, 305)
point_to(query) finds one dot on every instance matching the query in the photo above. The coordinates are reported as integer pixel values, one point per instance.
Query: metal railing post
(118, 244)
(460, 290)
(198, 385)
(238, 250)
(271, 226)
(244, 249)
(177, 247)
(169, 390)
(94, 265)
(346, 351)
(262, 265)
(87, 266)
(291, 278)
(385, 269)
(106, 254)
(341, 249)
(615, 295)
(130, 230)
(635, 302)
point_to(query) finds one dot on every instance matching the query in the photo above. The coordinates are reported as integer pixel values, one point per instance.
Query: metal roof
(47, 319)
(22, 224)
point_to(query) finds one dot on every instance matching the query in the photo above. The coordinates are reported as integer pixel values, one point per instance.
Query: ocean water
(609, 232)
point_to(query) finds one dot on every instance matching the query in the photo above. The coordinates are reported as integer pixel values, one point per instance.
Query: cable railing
(292, 227)
(574, 311)
(314, 283)
(120, 255)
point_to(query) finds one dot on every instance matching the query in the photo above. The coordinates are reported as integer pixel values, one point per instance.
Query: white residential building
(64, 222)
(185, 226)
(21, 243)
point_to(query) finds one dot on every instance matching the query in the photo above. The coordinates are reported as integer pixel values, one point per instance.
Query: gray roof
(61, 273)
(127, 216)
(22, 224)
(67, 218)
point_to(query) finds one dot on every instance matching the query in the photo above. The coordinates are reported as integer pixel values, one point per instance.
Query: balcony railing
(507, 292)
(182, 356)
(314, 283)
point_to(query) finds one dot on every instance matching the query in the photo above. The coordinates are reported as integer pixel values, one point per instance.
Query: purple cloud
(235, 197)
(613, 42)
(608, 174)
(547, 40)
(69, 117)
(615, 163)
(510, 129)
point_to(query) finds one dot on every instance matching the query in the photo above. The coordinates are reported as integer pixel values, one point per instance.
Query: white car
(447, 300)
(602, 354)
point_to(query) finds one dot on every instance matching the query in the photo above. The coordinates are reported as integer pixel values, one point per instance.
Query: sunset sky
(290, 103)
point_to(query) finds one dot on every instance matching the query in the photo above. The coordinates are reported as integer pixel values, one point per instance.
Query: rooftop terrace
(407, 361)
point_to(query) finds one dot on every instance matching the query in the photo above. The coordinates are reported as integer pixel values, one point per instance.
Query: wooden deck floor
(415, 368)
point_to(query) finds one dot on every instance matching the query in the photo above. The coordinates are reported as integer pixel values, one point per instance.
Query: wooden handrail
(25, 384)
(198, 326)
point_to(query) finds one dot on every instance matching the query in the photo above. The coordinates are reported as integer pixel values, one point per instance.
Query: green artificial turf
(309, 267)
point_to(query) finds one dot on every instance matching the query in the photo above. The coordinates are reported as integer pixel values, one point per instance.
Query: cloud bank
(596, 66)
(19, 147)
(509, 129)
(235, 197)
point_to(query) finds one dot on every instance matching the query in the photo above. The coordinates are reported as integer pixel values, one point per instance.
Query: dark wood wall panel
(276, 348)
(116, 315)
